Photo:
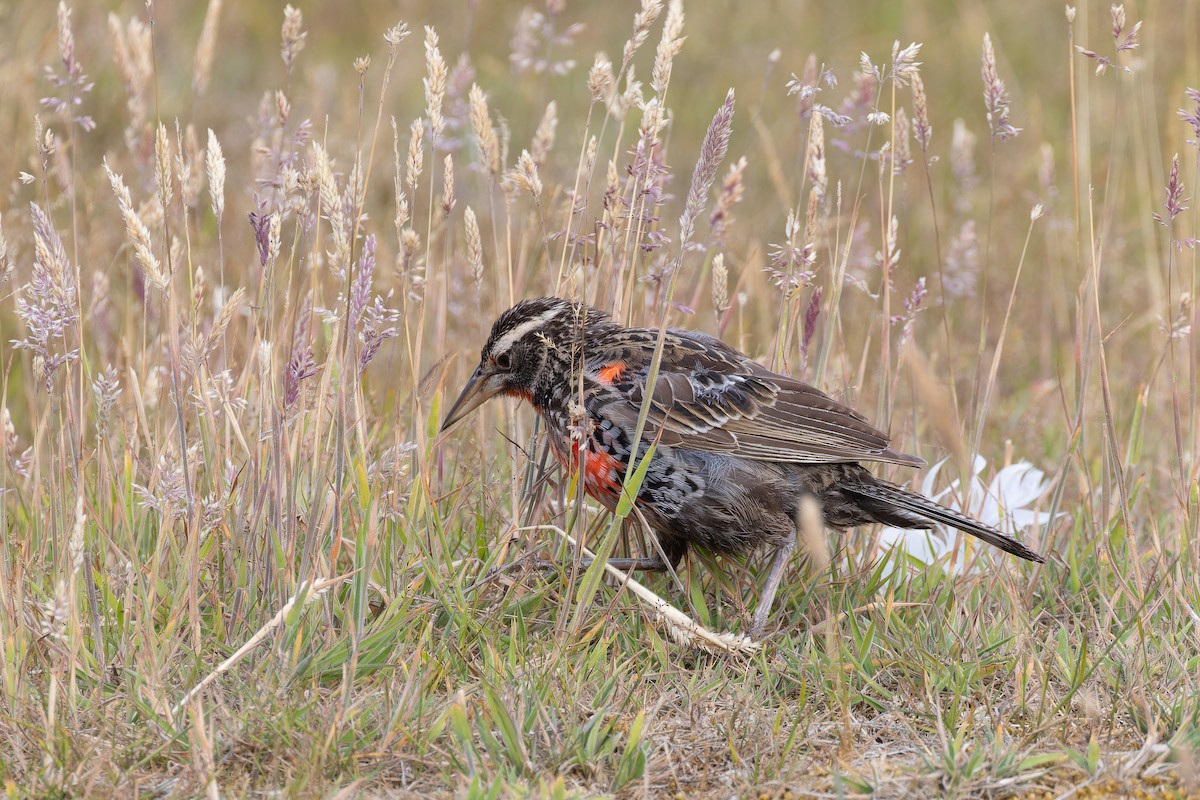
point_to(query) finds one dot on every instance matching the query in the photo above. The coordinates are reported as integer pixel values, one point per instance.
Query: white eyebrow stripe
(516, 334)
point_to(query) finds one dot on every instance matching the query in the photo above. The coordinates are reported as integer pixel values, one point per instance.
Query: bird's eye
(502, 360)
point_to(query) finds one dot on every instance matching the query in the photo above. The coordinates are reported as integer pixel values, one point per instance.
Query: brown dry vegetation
(236, 561)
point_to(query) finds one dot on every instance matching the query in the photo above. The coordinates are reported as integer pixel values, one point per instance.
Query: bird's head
(519, 351)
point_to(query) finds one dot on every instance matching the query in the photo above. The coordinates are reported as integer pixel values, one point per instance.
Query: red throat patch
(602, 474)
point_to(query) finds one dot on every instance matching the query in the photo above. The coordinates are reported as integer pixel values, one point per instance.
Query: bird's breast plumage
(597, 436)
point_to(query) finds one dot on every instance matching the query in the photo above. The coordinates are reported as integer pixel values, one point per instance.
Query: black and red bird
(738, 445)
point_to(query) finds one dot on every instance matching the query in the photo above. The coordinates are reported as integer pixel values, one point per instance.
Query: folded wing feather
(708, 396)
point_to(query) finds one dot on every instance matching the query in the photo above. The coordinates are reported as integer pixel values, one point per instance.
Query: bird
(736, 446)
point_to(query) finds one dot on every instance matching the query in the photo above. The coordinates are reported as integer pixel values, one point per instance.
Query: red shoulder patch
(612, 372)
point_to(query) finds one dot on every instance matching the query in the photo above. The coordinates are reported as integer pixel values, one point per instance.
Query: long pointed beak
(474, 394)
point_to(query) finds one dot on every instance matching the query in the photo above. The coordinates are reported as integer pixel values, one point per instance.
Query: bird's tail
(890, 496)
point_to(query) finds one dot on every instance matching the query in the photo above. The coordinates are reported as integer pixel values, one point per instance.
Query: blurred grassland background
(237, 563)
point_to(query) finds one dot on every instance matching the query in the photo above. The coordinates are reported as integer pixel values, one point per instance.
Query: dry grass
(237, 562)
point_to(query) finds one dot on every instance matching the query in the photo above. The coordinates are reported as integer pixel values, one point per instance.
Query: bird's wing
(708, 396)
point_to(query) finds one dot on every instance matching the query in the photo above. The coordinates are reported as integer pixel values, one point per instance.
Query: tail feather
(891, 495)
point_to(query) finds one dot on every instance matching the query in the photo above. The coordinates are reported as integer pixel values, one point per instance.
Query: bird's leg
(774, 577)
(654, 564)
(665, 559)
